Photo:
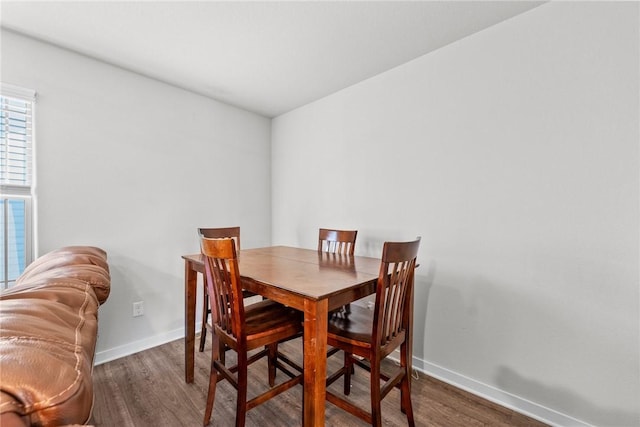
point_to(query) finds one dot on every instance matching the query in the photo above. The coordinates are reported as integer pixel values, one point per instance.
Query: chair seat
(266, 321)
(357, 326)
(272, 317)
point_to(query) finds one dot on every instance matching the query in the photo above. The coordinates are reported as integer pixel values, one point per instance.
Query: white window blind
(16, 180)
(16, 136)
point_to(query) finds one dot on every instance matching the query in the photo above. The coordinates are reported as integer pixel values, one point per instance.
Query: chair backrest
(394, 292)
(221, 233)
(337, 241)
(223, 285)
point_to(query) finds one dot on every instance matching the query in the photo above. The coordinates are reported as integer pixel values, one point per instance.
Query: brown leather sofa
(48, 332)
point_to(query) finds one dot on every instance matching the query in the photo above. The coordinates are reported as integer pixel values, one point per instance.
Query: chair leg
(348, 369)
(405, 393)
(205, 314)
(271, 361)
(203, 337)
(241, 404)
(376, 412)
(405, 386)
(213, 380)
(223, 351)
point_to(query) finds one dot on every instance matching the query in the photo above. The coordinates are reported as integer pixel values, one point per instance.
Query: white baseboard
(495, 395)
(137, 346)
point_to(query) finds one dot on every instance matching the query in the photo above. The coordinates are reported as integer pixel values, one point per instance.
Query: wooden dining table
(310, 281)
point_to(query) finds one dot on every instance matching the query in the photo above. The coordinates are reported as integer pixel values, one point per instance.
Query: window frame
(20, 192)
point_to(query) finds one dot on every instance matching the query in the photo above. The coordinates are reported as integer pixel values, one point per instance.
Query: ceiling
(266, 57)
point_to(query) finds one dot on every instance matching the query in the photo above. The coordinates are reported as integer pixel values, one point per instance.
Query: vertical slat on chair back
(337, 241)
(394, 288)
(223, 284)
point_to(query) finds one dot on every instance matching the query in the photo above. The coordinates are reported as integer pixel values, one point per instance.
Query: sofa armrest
(86, 263)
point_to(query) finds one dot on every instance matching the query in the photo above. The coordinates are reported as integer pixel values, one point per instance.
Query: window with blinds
(16, 177)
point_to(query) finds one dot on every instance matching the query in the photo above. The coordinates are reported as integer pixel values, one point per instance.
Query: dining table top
(305, 272)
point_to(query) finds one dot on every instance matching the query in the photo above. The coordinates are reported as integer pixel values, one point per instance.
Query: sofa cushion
(47, 344)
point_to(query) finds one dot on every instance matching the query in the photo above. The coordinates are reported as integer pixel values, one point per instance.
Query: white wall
(514, 154)
(135, 166)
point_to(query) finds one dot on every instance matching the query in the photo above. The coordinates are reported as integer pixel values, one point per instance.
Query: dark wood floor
(148, 389)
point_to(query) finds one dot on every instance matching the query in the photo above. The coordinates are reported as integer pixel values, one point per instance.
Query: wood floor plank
(148, 389)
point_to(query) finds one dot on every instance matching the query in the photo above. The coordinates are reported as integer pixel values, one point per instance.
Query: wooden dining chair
(341, 242)
(374, 334)
(243, 329)
(216, 233)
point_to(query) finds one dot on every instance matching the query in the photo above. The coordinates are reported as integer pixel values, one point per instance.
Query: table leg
(190, 281)
(315, 362)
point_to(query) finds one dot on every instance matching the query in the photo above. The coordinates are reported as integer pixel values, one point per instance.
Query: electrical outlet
(138, 308)
(370, 305)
